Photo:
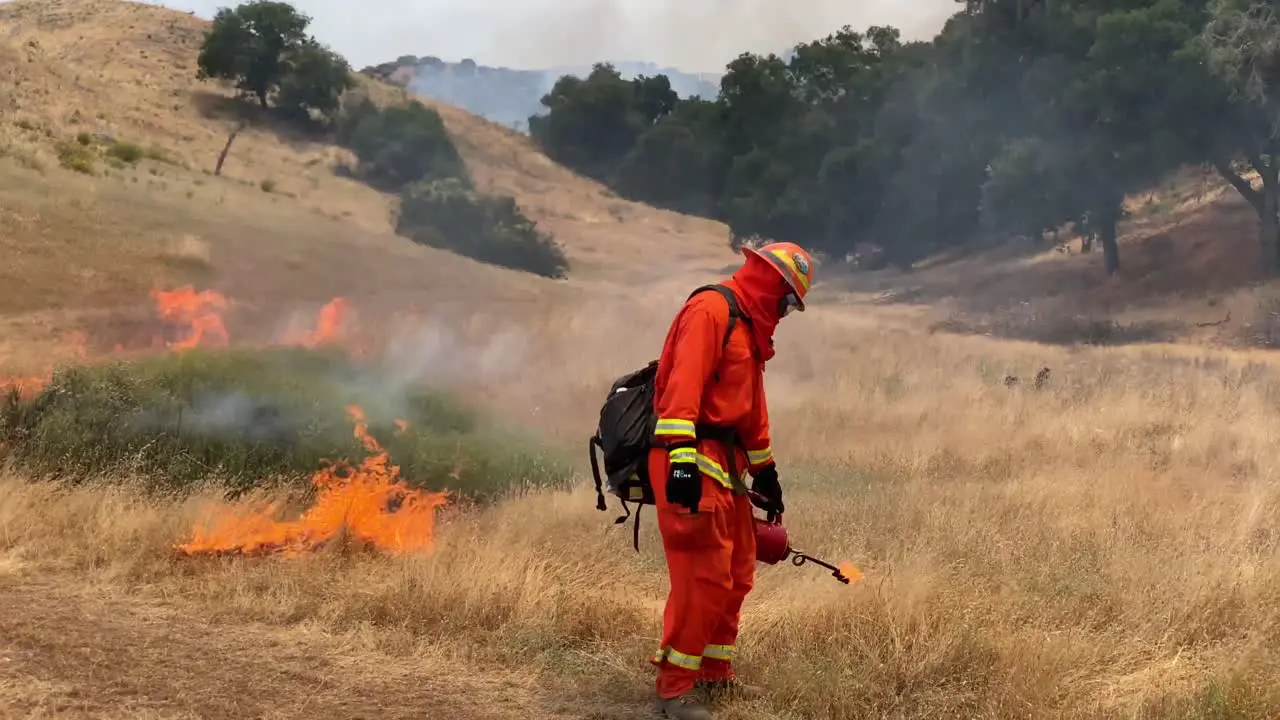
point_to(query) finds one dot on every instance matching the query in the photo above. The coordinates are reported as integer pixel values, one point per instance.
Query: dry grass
(1101, 548)
(1104, 547)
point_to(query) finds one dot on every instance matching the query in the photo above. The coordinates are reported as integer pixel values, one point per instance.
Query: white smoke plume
(693, 35)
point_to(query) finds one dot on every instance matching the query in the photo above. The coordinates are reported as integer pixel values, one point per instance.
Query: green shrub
(76, 157)
(251, 418)
(126, 152)
(159, 154)
(407, 148)
(447, 214)
(399, 145)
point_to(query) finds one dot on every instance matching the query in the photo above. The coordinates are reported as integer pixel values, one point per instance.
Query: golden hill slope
(127, 71)
(279, 226)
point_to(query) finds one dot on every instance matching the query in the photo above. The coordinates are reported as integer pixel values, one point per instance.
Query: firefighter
(712, 430)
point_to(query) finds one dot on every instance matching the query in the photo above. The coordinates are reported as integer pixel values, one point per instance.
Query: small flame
(357, 506)
(330, 325)
(198, 313)
(852, 573)
(28, 386)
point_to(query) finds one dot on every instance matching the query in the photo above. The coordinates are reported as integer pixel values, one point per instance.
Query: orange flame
(329, 325)
(850, 571)
(357, 506)
(200, 313)
(28, 386)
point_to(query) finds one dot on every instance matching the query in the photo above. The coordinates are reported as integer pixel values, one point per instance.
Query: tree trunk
(1086, 243)
(1110, 248)
(1265, 202)
(1241, 185)
(1108, 218)
(1269, 225)
(222, 156)
(262, 100)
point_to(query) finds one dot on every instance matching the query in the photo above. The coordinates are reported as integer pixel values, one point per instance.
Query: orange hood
(760, 289)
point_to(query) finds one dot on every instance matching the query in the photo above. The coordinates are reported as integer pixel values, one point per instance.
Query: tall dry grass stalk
(1103, 547)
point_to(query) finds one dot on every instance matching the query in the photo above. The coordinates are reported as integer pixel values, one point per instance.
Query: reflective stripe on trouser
(719, 652)
(711, 560)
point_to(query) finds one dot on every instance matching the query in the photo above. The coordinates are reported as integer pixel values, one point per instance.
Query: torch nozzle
(799, 558)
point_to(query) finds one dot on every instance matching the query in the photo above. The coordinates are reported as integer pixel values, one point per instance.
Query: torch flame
(357, 507)
(848, 570)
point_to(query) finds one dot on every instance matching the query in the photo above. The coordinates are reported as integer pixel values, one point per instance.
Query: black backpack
(625, 433)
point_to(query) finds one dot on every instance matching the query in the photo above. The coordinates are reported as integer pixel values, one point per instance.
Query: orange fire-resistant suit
(704, 386)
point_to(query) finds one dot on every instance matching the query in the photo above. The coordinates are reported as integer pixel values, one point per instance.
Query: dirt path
(69, 651)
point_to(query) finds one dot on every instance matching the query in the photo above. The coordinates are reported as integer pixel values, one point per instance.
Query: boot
(717, 690)
(685, 707)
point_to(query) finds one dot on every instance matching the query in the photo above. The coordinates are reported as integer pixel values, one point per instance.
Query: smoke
(698, 36)
(437, 353)
(216, 414)
(460, 355)
(695, 36)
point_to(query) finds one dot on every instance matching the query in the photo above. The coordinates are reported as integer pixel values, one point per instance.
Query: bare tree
(222, 156)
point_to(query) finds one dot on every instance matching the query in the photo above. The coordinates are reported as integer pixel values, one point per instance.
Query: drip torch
(772, 546)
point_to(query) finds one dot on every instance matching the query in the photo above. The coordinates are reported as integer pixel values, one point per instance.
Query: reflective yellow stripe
(679, 659)
(683, 454)
(713, 470)
(786, 262)
(719, 652)
(668, 427)
(759, 457)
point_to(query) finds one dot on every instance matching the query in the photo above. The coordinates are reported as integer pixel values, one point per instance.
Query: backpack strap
(735, 312)
(635, 530)
(592, 444)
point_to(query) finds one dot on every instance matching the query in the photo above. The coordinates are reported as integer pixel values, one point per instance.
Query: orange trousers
(711, 561)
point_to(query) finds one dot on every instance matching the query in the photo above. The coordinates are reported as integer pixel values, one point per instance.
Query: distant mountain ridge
(509, 96)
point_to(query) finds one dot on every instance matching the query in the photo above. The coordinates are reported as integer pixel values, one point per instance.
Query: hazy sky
(693, 35)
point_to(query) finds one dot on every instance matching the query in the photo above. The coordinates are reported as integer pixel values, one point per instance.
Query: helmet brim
(773, 263)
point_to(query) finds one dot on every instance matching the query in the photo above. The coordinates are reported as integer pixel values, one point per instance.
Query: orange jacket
(699, 383)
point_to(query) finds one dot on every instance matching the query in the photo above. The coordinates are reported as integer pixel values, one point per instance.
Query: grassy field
(1103, 546)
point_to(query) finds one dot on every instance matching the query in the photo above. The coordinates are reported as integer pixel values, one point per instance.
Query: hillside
(1047, 525)
(127, 71)
(508, 96)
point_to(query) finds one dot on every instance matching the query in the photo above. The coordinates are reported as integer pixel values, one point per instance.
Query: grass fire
(367, 504)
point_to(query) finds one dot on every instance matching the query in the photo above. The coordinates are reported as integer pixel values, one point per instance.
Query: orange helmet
(792, 262)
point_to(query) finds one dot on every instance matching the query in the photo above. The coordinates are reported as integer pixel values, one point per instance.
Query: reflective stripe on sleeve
(759, 457)
(683, 454)
(674, 427)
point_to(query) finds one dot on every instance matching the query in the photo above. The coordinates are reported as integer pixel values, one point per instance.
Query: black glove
(684, 484)
(765, 482)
